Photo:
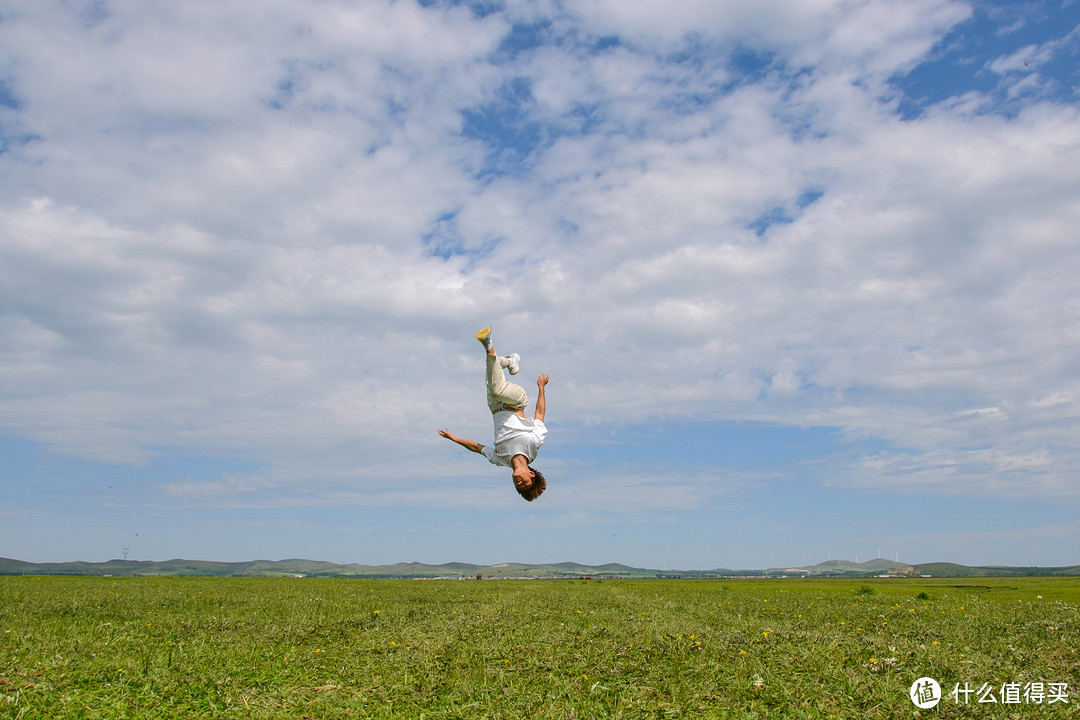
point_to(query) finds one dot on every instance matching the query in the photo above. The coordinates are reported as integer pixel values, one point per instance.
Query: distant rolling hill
(317, 568)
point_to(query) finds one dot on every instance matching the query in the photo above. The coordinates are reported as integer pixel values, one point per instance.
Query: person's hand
(447, 434)
(542, 380)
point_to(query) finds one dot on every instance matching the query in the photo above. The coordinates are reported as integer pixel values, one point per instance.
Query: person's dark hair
(538, 486)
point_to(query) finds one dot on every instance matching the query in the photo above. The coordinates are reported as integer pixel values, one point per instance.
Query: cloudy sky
(803, 273)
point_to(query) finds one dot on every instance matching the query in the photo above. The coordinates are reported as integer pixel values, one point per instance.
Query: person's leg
(502, 394)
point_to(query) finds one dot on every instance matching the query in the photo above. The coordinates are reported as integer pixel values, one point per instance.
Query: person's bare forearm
(541, 397)
(471, 445)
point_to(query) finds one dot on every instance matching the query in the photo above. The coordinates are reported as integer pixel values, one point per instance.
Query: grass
(304, 648)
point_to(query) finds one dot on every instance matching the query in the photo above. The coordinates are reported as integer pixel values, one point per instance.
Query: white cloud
(216, 239)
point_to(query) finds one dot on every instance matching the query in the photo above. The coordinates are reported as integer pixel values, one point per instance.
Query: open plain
(312, 648)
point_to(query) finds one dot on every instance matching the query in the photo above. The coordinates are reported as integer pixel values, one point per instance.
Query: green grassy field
(303, 648)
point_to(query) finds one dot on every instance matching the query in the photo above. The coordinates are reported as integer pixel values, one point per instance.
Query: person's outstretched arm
(463, 442)
(541, 399)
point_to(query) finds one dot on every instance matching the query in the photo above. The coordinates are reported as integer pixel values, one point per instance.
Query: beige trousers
(502, 394)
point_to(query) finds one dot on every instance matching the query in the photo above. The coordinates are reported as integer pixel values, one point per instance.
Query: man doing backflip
(517, 438)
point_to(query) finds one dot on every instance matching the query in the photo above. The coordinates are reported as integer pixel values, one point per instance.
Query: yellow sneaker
(484, 336)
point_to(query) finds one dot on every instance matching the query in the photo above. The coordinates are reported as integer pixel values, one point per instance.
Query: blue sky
(803, 276)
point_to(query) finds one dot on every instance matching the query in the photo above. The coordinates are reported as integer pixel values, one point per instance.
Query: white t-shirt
(515, 435)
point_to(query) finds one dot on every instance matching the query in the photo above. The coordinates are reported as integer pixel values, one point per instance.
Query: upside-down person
(517, 438)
